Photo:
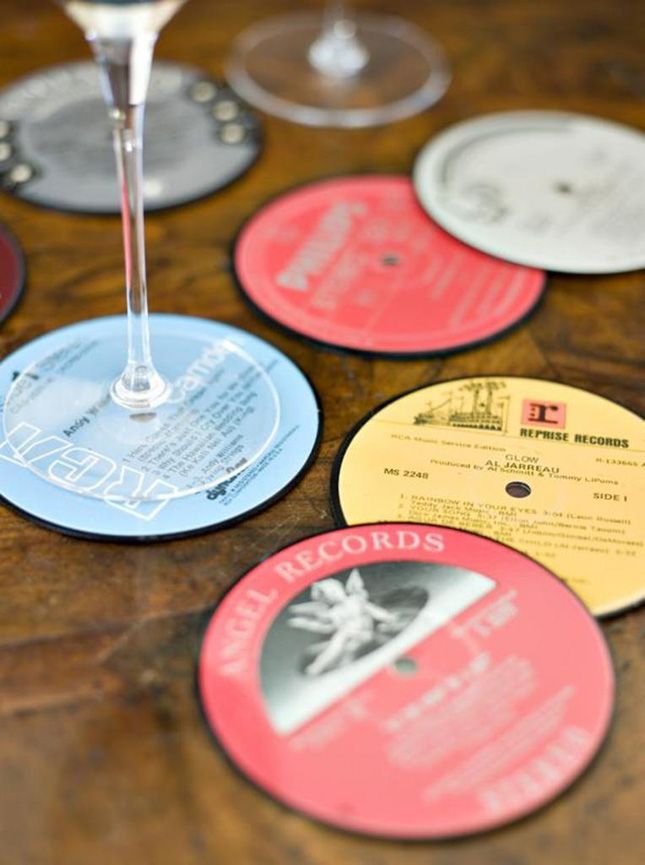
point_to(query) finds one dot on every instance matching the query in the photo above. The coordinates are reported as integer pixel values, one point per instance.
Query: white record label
(552, 190)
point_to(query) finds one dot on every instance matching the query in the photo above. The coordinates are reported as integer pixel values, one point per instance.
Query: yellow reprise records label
(552, 470)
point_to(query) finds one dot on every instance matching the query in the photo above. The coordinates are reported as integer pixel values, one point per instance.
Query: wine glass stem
(128, 146)
(125, 69)
(338, 53)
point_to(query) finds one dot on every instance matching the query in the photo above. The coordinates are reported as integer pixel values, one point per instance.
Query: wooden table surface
(104, 756)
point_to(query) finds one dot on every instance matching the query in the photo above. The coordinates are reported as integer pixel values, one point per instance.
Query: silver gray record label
(552, 190)
(56, 140)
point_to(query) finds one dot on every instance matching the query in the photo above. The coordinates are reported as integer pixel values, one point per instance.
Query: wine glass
(77, 416)
(343, 69)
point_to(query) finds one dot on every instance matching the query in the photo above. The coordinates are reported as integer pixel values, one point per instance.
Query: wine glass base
(271, 68)
(62, 423)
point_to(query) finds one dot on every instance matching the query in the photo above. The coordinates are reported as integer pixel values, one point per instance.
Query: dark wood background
(104, 756)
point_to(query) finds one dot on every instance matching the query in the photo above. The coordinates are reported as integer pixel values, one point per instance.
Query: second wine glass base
(62, 423)
(406, 71)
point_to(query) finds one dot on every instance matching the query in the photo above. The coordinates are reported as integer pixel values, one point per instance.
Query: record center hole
(518, 489)
(405, 666)
(390, 260)
(563, 187)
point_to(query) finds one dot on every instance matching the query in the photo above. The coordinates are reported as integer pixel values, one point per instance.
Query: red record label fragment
(12, 273)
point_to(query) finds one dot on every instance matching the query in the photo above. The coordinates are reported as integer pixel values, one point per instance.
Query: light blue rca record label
(272, 475)
(54, 128)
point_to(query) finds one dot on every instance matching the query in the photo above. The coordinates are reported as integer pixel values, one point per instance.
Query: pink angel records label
(355, 263)
(406, 681)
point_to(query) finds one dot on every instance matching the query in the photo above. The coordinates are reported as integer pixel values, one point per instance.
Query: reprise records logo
(552, 415)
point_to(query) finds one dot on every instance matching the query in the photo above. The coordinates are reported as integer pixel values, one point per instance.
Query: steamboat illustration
(475, 405)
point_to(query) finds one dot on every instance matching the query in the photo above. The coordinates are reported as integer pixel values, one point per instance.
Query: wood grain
(104, 756)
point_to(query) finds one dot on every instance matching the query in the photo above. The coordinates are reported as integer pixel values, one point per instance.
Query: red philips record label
(406, 681)
(354, 262)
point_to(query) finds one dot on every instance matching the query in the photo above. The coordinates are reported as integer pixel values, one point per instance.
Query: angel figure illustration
(351, 621)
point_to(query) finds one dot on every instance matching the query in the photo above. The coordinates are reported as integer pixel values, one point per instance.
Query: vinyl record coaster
(56, 139)
(276, 471)
(546, 189)
(355, 263)
(395, 680)
(12, 272)
(555, 471)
